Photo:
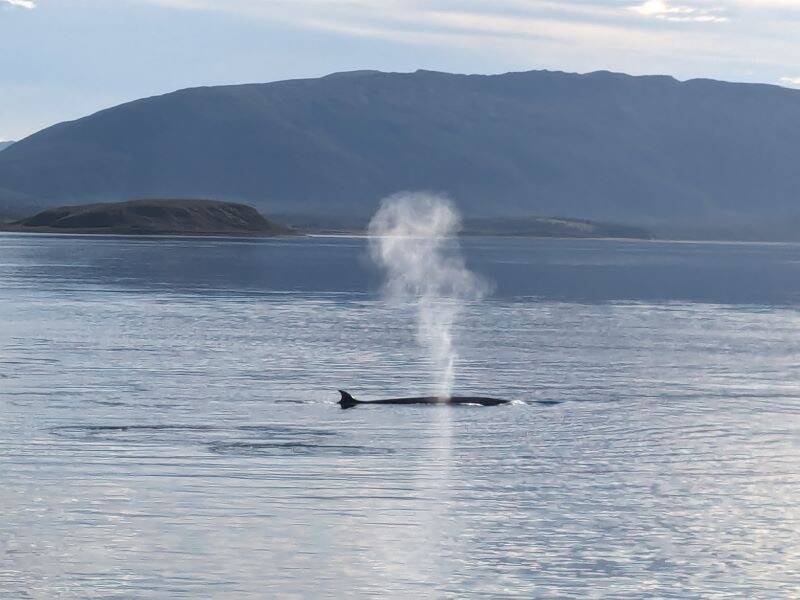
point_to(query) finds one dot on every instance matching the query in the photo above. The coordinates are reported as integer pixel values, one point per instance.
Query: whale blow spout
(347, 401)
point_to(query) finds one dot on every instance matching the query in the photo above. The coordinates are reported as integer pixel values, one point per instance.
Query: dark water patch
(94, 431)
(269, 430)
(185, 434)
(32, 360)
(293, 449)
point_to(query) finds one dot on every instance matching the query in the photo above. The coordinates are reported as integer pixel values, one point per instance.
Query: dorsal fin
(347, 400)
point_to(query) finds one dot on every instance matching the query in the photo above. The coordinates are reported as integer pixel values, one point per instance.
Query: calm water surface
(168, 426)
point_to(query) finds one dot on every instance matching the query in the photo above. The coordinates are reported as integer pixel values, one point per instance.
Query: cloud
(660, 9)
(791, 81)
(29, 4)
(750, 40)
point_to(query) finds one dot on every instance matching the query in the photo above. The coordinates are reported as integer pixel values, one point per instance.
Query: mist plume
(413, 238)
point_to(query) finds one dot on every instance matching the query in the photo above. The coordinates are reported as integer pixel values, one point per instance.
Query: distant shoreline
(174, 218)
(156, 217)
(301, 235)
(89, 233)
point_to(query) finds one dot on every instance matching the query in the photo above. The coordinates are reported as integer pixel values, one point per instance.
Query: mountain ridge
(603, 146)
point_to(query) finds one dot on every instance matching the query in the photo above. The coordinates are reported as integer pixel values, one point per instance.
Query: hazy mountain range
(4, 145)
(604, 146)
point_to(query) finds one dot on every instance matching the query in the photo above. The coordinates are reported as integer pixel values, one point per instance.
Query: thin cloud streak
(737, 39)
(749, 15)
(660, 9)
(29, 4)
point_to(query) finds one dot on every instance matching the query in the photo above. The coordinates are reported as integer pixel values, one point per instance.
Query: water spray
(413, 238)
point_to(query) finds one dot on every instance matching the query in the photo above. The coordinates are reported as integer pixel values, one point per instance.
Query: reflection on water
(169, 426)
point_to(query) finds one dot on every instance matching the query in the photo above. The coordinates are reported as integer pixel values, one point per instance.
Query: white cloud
(29, 4)
(660, 9)
(744, 40)
(792, 5)
(792, 81)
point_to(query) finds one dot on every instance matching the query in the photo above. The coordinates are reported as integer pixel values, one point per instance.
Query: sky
(63, 59)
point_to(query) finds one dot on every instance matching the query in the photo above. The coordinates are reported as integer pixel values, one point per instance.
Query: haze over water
(169, 426)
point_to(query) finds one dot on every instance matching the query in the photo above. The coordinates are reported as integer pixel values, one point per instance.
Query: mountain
(602, 146)
(4, 145)
(152, 217)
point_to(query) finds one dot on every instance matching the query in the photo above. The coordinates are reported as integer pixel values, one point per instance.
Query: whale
(347, 401)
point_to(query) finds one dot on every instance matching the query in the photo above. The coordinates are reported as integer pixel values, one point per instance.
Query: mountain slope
(4, 145)
(599, 146)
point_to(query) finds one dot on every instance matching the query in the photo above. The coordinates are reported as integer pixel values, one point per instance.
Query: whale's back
(347, 401)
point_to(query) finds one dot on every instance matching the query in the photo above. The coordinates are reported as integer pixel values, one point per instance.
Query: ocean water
(168, 426)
